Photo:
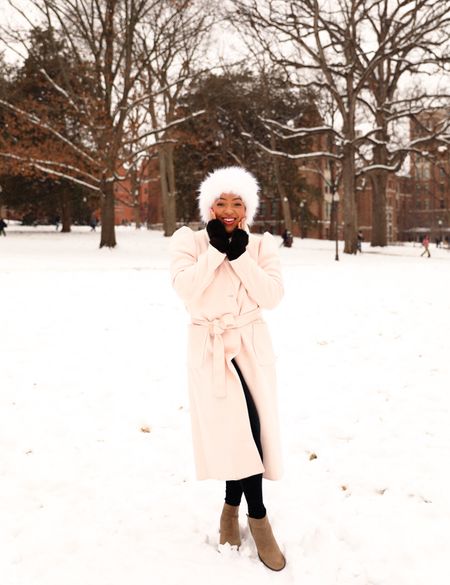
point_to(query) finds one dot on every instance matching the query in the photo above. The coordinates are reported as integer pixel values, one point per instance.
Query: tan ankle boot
(229, 525)
(268, 550)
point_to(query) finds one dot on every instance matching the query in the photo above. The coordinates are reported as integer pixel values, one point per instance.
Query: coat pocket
(262, 344)
(197, 338)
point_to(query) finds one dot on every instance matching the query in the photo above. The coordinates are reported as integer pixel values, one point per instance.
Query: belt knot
(218, 326)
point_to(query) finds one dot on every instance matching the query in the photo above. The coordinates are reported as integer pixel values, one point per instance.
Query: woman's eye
(238, 204)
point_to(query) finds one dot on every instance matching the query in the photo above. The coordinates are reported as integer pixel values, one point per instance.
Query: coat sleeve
(261, 278)
(191, 274)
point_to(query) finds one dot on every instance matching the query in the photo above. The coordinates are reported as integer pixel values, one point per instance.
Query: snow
(307, 155)
(93, 355)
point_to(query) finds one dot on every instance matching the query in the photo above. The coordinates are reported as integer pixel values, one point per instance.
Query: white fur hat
(234, 180)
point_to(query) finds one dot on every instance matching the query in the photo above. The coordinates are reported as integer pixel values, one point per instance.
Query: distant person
(57, 222)
(93, 223)
(287, 239)
(360, 240)
(426, 245)
(438, 242)
(3, 225)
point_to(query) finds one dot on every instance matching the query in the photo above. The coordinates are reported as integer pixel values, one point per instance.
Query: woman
(226, 276)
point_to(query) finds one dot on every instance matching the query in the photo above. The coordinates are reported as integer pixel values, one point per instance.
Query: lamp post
(302, 217)
(335, 204)
(440, 231)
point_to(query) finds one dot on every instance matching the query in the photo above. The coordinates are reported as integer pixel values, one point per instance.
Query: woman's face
(230, 210)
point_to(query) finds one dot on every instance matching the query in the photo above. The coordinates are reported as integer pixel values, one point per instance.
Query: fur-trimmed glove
(238, 244)
(218, 236)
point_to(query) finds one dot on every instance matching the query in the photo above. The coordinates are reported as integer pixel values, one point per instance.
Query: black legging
(251, 486)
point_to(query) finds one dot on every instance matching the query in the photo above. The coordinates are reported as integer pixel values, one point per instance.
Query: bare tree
(411, 39)
(333, 48)
(101, 36)
(105, 40)
(312, 36)
(174, 36)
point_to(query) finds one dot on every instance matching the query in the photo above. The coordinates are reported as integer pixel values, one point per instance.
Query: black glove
(218, 236)
(238, 243)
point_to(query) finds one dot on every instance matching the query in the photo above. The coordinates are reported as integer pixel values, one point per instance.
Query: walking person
(225, 276)
(426, 245)
(3, 225)
(359, 241)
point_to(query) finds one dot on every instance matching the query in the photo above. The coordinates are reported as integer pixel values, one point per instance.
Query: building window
(275, 208)
(442, 204)
(423, 170)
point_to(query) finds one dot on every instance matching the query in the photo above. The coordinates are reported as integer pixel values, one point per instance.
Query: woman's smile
(228, 220)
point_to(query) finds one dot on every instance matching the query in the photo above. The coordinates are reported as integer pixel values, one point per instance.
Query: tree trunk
(285, 207)
(66, 218)
(137, 216)
(108, 235)
(379, 184)
(135, 196)
(167, 177)
(348, 179)
(379, 228)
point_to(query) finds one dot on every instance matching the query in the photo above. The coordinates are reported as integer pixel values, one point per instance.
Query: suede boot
(229, 525)
(268, 550)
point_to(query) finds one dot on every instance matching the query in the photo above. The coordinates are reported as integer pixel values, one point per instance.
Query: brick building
(394, 196)
(138, 196)
(310, 207)
(417, 203)
(426, 208)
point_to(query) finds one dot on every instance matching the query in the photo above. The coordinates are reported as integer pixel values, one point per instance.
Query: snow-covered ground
(96, 476)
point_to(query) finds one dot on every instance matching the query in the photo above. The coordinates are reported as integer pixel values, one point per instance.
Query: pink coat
(224, 300)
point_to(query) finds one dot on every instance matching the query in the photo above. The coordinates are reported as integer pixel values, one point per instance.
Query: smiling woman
(225, 276)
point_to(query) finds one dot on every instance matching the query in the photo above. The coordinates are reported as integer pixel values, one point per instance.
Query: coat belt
(216, 328)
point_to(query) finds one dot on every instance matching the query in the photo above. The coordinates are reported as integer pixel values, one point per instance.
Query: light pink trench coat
(224, 300)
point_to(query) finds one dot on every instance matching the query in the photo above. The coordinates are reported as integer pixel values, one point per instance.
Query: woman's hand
(238, 242)
(242, 225)
(218, 236)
